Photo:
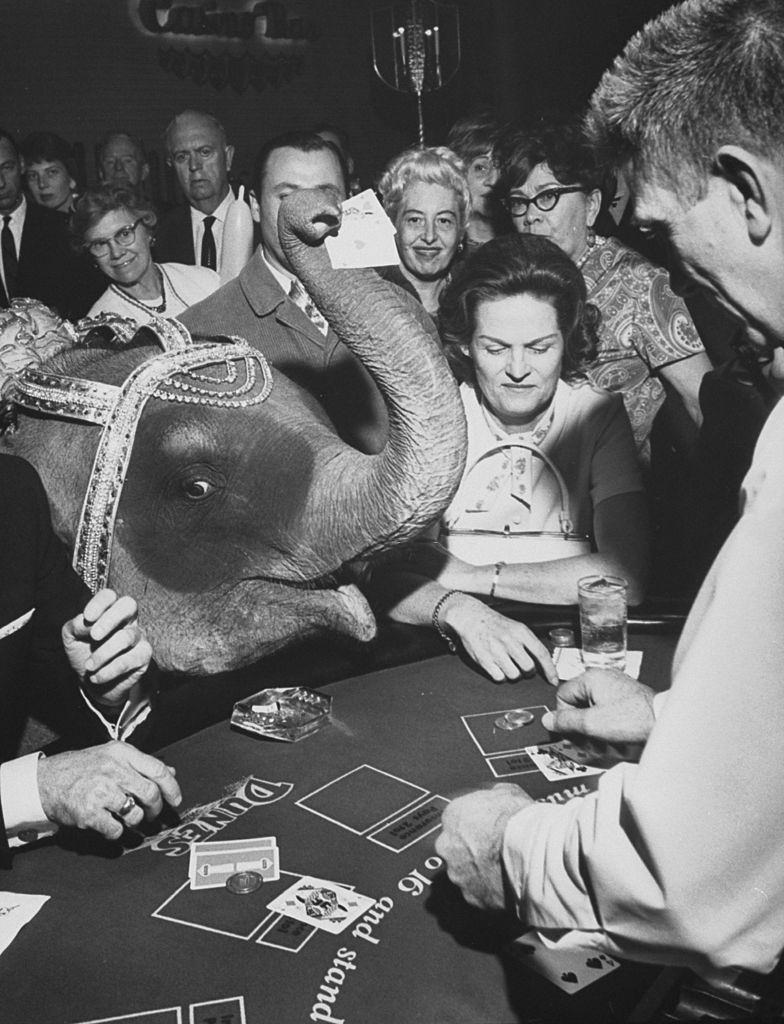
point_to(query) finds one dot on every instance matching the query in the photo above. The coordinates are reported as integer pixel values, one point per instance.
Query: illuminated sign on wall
(241, 43)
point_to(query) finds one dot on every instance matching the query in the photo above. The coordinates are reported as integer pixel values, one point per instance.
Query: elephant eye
(197, 490)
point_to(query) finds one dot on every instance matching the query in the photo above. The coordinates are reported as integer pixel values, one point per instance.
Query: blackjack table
(125, 938)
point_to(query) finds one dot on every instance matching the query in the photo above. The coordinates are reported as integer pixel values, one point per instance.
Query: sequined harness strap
(170, 377)
(239, 377)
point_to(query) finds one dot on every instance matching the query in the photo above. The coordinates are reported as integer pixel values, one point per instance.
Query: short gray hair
(704, 74)
(433, 165)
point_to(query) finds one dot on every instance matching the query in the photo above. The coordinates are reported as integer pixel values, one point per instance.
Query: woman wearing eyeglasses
(115, 226)
(551, 187)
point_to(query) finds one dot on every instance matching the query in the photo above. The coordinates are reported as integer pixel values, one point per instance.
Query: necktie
(10, 262)
(209, 256)
(300, 297)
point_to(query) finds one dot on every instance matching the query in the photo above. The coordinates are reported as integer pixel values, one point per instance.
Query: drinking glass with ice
(602, 601)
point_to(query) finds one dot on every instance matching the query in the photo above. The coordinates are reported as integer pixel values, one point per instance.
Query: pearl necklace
(590, 245)
(161, 308)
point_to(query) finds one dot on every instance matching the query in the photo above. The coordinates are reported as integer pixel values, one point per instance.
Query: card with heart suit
(212, 863)
(321, 903)
(570, 969)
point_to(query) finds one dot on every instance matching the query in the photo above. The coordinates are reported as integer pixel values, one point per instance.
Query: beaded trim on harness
(243, 379)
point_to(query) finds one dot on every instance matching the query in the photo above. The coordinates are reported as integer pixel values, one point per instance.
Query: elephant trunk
(371, 501)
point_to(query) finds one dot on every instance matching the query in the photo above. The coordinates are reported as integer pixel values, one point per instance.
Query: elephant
(234, 525)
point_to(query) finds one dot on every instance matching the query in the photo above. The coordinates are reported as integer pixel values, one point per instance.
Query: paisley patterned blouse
(644, 327)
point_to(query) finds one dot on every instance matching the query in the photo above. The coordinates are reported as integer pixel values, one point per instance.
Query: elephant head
(234, 525)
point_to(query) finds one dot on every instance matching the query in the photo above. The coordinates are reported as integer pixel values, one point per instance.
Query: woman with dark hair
(552, 489)
(50, 171)
(552, 187)
(116, 227)
(474, 139)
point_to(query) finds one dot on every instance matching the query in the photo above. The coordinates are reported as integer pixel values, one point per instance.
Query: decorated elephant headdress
(225, 373)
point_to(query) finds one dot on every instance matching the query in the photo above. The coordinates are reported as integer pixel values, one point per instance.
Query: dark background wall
(83, 67)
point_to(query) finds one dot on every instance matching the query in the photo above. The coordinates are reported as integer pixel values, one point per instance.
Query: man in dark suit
(266, 303)
(197, 150)
(36, 258)
(100, 650)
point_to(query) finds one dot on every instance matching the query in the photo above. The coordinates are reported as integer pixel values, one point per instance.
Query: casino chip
(514, 719)
(244, 882)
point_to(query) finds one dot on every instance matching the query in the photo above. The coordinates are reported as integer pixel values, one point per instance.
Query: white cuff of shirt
(131, 716)
(659, 700)
(25, 820)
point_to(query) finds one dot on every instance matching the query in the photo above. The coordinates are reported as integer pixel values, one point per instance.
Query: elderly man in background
(196, 148)
(121, 162)
(678, 859)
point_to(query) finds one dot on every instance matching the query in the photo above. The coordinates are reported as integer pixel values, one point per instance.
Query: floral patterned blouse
(644, 327)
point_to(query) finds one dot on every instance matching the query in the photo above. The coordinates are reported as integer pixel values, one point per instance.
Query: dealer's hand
(89, 788)
(105, 645)
(471, 842)
(604, 704)
(502, 647)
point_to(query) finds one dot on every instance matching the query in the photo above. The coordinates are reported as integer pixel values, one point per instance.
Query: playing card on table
(561, 760)
(570, 969)
(322, 904)
(569, 663)
(366, 237)
(212, 863)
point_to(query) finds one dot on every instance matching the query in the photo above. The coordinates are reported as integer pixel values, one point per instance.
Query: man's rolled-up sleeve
(680, 859)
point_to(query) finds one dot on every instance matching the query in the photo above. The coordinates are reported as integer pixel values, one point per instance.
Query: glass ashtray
(286, 713)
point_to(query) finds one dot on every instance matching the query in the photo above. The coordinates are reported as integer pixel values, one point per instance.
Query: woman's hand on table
(503, 648)
(603, 704)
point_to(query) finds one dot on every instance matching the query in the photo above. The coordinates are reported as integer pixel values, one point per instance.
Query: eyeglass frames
(125, 237)
(544, 201)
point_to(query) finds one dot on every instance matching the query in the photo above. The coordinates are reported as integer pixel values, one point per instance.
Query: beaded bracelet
(496, 575)
(437, 623)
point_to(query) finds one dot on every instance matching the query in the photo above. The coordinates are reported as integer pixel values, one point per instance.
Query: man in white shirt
(196, 148)
(266, 304)
(679, 859)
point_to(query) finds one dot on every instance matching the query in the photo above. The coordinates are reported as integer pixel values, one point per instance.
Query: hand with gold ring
(107, 788)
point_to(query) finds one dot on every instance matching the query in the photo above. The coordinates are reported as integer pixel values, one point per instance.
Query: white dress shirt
(680, 859)
(16, 224)
(197, 227)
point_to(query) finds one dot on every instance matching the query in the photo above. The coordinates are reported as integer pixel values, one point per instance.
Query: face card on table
(322, 904)
(570, 969)
(559, 761)
(362, 798)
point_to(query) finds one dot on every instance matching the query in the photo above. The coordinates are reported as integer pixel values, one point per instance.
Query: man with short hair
(267, 305)
(36, 258)
(196, 148)
(121, 162)
(678, 859)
